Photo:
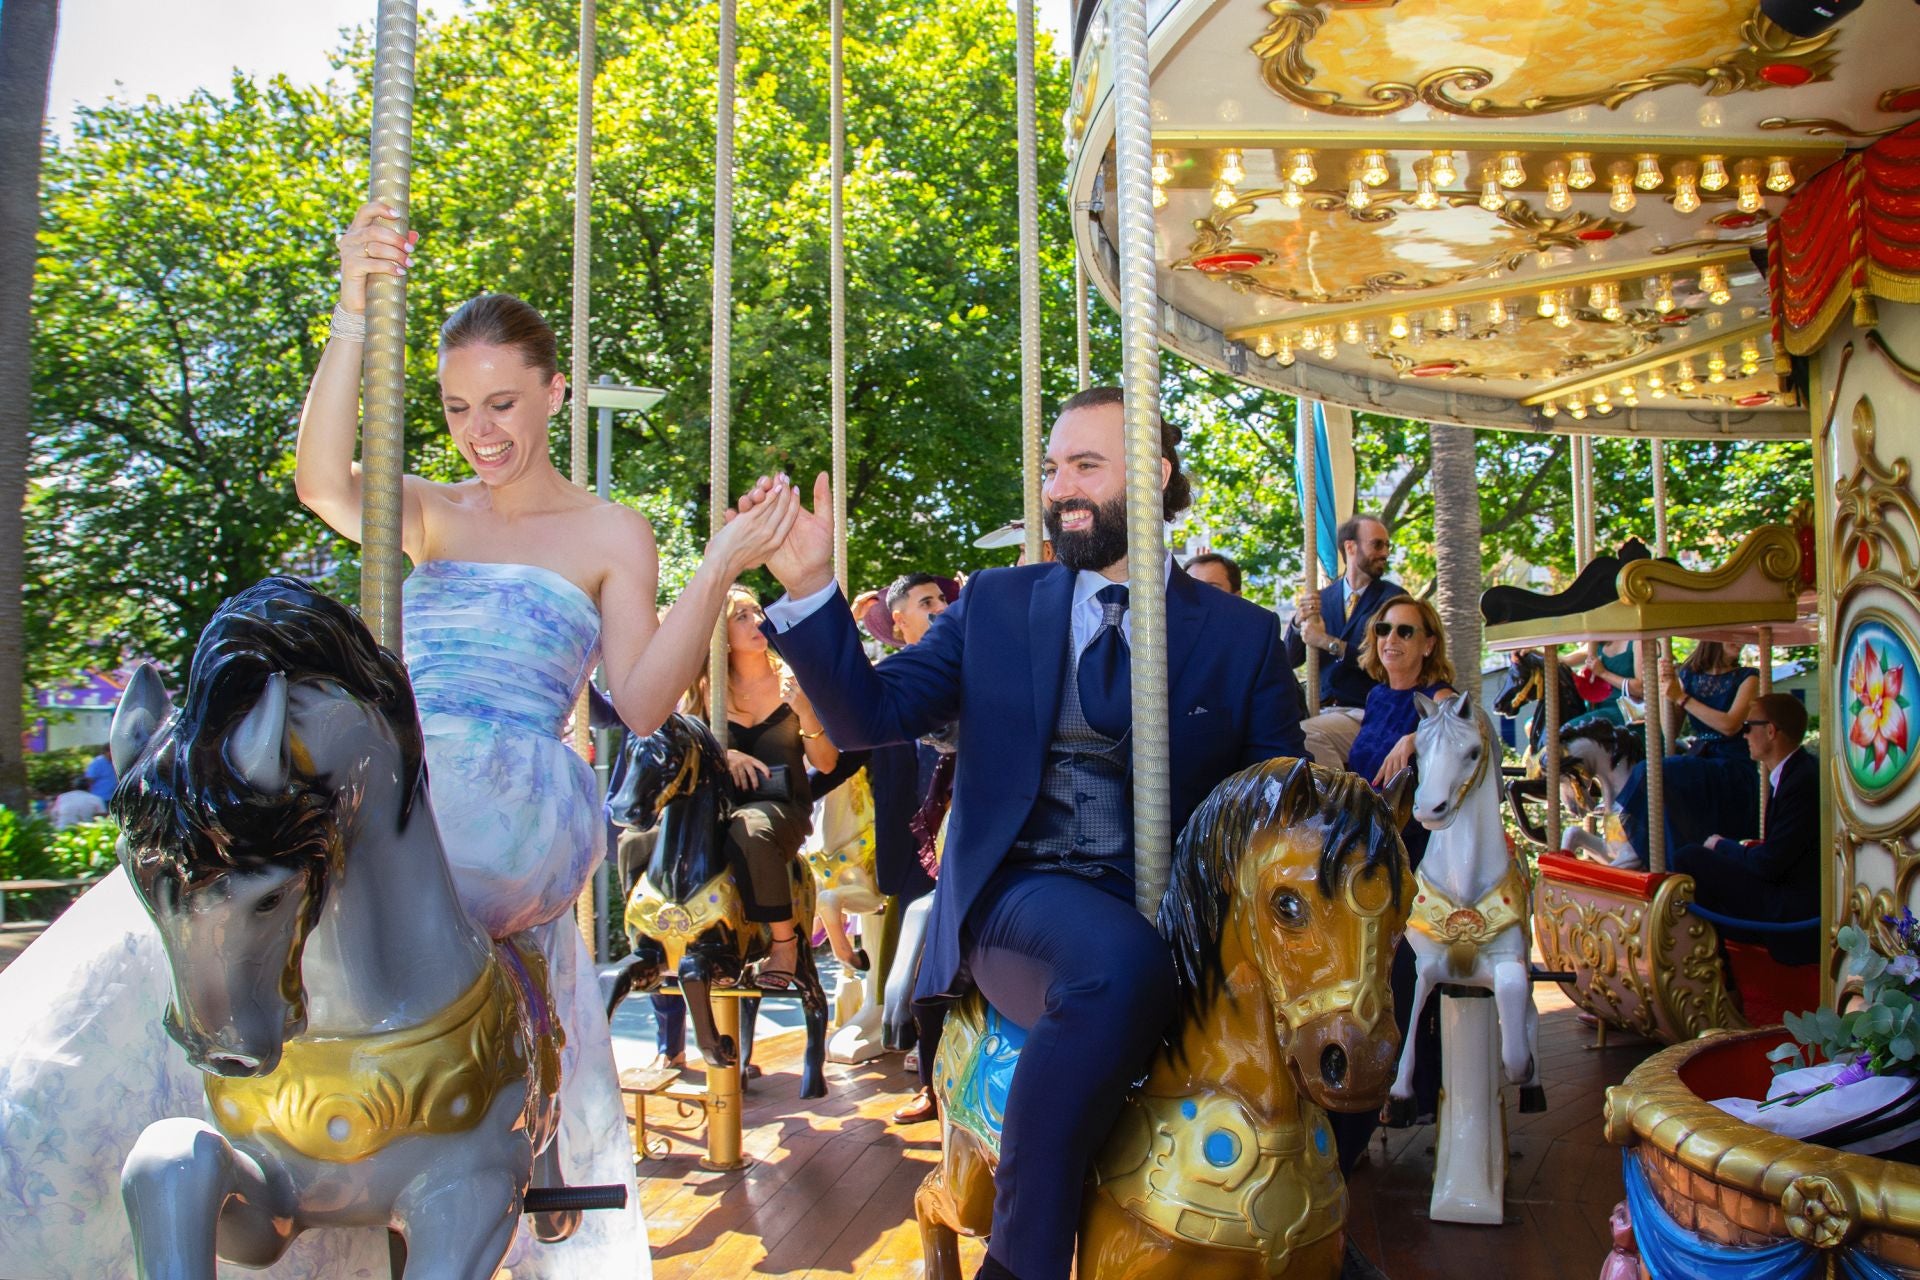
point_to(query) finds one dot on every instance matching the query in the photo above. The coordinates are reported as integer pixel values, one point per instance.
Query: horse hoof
(552, 1228)
(1533, 1099)
(1399, 1113)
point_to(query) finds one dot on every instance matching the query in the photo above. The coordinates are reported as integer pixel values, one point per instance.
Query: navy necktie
(1106, 669)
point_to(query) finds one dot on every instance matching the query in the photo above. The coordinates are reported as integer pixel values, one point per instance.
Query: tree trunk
(1456, 545)
(26, 62)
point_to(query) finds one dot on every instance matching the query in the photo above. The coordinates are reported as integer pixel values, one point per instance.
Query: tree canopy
(187, 265)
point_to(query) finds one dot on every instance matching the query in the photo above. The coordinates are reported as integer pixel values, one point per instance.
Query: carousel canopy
(1545, 214)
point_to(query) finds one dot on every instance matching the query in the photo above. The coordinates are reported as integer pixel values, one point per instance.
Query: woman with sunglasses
(1406, 651)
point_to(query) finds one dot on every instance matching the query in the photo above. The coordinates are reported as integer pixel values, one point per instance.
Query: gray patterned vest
(1083, 819)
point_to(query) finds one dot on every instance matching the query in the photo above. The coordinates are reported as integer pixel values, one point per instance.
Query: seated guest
(1335, 622)
(1714, 773)
(1215, 570)
(1778, 876)
(1406, 651)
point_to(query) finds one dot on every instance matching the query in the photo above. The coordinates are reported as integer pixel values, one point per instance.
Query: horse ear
(257, 749)
(1463, 704)
(1398, 797)
(1425, 706)
(1297, 796)
(143, 708)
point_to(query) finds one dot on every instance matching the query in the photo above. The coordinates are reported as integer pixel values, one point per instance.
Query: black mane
(185, 813)
(1207, 860)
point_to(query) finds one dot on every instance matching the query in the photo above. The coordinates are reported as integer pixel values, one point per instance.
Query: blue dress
(1711, 789)
(1391, 715)
(497, 654)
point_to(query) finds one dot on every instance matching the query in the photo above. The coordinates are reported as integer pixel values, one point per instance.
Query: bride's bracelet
(351, 325)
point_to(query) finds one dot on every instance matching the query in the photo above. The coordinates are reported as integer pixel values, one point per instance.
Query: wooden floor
(830, 1192)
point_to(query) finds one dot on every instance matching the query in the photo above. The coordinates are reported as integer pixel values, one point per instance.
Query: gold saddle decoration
(343, 1099)
(1463, 930)
(675, 923)
(1204, 1170)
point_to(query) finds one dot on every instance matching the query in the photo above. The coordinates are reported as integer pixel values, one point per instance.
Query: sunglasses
(1751, 725)
(1405, 630)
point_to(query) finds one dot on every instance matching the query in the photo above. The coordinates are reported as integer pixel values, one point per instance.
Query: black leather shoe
(1593, 589)
(991, 1269)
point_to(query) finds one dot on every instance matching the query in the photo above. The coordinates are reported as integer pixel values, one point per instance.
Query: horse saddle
(1593, 589)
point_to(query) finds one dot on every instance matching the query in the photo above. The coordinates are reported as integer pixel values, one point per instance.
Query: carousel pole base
(1470, 1170)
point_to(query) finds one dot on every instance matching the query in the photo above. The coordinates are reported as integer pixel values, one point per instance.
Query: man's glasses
(1751, 725)
(1405, 630)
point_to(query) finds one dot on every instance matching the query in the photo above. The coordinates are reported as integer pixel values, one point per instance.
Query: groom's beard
(1102, 543)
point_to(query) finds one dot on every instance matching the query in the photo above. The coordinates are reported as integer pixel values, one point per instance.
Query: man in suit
(1778, 876)
(1335, 622)
(1034, 904)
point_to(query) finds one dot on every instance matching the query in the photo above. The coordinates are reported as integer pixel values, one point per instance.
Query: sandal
(771, 976)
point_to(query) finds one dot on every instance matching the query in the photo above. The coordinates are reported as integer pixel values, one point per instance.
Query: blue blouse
(1717, 691)
(1390, 716)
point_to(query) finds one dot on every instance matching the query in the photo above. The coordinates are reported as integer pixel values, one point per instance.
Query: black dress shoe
(1593, 589)
(992, 1269)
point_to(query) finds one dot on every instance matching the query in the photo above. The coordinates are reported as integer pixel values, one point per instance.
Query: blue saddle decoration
(977, 1098)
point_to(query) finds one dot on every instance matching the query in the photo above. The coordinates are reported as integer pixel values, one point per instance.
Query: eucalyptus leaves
(1880, 1034)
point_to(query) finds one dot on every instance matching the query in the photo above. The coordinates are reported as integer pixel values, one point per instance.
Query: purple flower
(1906, 968)
(1854, 1072)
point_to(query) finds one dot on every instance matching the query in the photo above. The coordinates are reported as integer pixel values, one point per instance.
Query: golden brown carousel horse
(1289, 894)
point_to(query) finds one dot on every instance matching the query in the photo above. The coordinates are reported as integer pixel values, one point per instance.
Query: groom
(1035, 899)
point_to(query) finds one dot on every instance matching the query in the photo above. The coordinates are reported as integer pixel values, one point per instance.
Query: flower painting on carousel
(1878, 708)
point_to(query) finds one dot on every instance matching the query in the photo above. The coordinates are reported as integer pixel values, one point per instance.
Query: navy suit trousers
(1092, 981)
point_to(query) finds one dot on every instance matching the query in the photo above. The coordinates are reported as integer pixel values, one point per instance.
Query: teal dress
(1626, 665)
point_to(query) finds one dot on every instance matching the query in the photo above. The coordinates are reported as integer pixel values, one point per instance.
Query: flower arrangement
(1880, 1035)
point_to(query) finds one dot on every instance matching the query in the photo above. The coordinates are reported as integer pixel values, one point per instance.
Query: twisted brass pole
(837, 281)
(1029, 205)
(1146, 529)
(1307, 441)
(383, 448)
(1550, 708)
(1082, 337)
(720, 404)
(585, 912)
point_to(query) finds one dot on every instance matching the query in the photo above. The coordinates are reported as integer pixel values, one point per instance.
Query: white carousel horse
(372, 1058)
(841, 853)
(1468, 928)
(1597, 758)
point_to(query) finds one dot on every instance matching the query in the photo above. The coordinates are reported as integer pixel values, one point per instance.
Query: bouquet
(1852, 1080)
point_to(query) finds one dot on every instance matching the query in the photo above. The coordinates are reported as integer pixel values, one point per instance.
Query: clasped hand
(803, 558)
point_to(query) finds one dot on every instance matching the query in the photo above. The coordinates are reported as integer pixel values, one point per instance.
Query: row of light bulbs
(1682, 375)
(1575, 172)
(1557, 306)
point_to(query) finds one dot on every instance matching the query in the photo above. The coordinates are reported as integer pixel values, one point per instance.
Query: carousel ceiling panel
(1517, 203)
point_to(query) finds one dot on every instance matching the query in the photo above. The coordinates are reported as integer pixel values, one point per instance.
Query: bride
(520, 581)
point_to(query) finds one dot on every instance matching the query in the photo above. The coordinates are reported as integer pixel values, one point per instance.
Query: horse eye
(267, 904)
(1288, 909)
(1474, 754)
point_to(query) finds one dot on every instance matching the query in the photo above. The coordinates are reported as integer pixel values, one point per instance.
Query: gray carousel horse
(372, 1058)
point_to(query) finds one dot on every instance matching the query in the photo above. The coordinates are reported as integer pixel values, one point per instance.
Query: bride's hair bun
(502, 320)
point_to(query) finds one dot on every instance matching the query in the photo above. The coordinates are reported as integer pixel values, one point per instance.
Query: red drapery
(1851, 234)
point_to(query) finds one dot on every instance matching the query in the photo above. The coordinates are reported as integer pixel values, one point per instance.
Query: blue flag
(1316, 422)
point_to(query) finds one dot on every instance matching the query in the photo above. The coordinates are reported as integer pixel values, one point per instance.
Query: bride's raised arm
(651, 663)
(325, 475)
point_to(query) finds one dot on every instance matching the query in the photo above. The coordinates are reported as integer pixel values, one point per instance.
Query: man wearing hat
(1035, 905)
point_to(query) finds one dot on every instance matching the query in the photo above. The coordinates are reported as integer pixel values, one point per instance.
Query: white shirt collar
(1088, 582)
(1773, 779)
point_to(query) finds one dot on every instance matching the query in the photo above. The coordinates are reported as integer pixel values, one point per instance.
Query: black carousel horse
(685, 914)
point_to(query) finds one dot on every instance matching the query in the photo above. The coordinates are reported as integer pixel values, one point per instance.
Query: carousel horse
(843, 856)
(1596, 759)
(1526, 686)
(686, 914)
(372, 1058)
(1289, 888)
(1468, 929)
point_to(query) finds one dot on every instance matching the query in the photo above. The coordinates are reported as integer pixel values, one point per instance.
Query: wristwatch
(1337, 647)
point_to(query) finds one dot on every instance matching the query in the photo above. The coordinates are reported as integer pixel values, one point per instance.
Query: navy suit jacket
(1777, 878)
(996, 662)
(1344, 681)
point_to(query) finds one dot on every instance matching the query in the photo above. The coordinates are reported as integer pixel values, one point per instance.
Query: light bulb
(1646, 173)
(1663, 299)
(1417, 331)
(1424, 196)
(1713, 173)
(1224, 195)
(1513, 170)
(1159, 197)
(1629, 392)
(1597, 297)
(1713, 283)
(1350, 333)
(1490, 198)
(1446, 320)
(1580, 173)
(1749, 357)
(1232, 170)
(1550, 410)
(1373, 336)
(1163, 167)
(1656, 385)
(1264, 345)
(1748, 178)
(1621, 178)
(1578, 412)
(1497, 311)
(1397, 327)
(1548, 305)
(1327, 349)
(1686, 188)
(1285, 354)
(1291, 195)
(1683, 376)
(1300, 167)
(1717, 367)
(1442, 168)
(1358, 197)
(1562, 318)
(1559, 196)
(1779, 174)
(1602, 407)
(1373, 168)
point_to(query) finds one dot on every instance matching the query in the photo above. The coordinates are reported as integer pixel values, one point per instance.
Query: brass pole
(1550, 708)
(1146, 528)
(383, 449)
(723, 1083)
(1307, 441)
(1656, 730)
(720, 401)
(583, 908)
(1766, 687)
(1029, 228)
(1082, 336)
(837, 278)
